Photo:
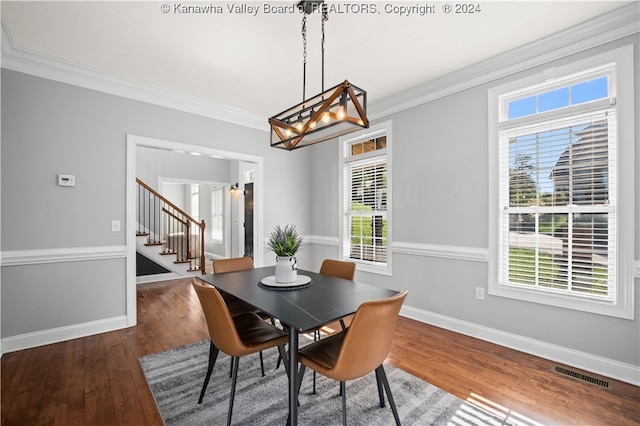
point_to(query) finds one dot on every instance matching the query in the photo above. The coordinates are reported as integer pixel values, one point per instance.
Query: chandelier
(335, 112)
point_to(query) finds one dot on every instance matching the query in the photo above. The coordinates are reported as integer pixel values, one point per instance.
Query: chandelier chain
(325, 18)
(304, 55)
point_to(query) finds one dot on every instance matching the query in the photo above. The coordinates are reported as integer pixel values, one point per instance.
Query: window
(194, 191)
(557, 196)
(217, 215)
(366, 199)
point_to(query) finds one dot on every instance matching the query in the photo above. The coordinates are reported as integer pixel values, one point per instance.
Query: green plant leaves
(284, 242)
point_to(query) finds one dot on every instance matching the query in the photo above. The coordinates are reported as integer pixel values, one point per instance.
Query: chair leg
(343, 392)
(233, 388)
(380, 391)
(213, 355)
(385, 382)
(261, 364)
(314, 383)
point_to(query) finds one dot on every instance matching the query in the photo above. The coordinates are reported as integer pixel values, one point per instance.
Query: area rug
(175, 378)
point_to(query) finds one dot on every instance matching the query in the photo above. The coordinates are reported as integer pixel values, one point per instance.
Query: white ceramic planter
(286, 269)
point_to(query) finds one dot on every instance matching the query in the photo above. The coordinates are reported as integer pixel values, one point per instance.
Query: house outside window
(366, 199)
(561, 233)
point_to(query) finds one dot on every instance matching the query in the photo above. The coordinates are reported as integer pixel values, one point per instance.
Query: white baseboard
(157, 277)
(60, 334)
(603, 366)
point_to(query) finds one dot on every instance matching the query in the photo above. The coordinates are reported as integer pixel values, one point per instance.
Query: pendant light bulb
(299, 123)
(342, 107)
(312, 122)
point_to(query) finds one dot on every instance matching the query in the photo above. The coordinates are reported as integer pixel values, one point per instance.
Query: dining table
(312, 301)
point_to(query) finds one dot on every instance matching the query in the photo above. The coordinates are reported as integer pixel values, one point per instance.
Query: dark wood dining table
(323, 301)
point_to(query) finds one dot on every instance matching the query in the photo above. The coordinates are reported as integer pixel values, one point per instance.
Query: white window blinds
(365, 192)
(558, 203)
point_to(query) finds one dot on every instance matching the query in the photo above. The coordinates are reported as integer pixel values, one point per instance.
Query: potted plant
(285, 243)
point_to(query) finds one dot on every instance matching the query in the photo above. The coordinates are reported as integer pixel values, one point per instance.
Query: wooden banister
(160, 196)
(166, 224)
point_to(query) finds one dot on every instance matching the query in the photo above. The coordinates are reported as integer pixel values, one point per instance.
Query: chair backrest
(222, 329)
(233, 264)
(338, 268)
(368, 339)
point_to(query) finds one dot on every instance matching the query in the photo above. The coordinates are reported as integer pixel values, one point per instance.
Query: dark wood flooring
(97, 380)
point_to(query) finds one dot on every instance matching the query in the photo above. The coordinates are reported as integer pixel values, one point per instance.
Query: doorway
(133, 142)
(248, 219)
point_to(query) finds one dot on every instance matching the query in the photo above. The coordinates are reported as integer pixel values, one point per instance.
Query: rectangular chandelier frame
(330, 114)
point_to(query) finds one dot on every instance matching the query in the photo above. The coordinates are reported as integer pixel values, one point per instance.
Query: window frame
(221, 190)
(380, 129)
(622, 91)
(194, 201)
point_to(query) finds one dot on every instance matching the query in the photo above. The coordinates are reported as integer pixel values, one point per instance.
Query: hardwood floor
(97, 380)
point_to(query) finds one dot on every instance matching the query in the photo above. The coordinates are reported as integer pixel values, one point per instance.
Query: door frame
(135, 141)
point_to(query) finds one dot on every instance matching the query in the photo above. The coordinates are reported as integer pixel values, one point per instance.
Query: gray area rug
(175, 378)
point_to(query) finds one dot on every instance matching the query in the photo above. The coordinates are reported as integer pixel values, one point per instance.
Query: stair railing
(165, 224)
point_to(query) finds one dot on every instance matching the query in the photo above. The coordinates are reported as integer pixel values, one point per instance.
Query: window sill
(373, 269)
(585, 304)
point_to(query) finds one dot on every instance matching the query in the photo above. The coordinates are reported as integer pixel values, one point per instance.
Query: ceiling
(252, 61)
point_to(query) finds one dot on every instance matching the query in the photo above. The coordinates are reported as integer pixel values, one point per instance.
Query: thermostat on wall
(66, 180)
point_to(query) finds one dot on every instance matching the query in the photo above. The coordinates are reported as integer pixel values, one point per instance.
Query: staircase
(168, 235)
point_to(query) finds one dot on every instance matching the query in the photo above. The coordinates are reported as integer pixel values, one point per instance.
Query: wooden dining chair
(236, 306)
(340, 269)
(236, 336)
(232, 264)
(358, 350)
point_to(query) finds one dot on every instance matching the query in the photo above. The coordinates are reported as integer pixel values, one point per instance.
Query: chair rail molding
(321, 240)
(473, 254)
(57, 255)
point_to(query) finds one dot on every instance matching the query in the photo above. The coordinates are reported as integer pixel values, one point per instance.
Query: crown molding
(609, 27)
(617, 24)
(22, 60)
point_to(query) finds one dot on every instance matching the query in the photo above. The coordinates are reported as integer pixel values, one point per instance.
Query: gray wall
(156, 163)
(440, 182)
(153, 164)
(50, 128)
(440, 198)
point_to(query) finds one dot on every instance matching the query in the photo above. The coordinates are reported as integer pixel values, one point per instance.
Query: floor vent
(582, 377)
